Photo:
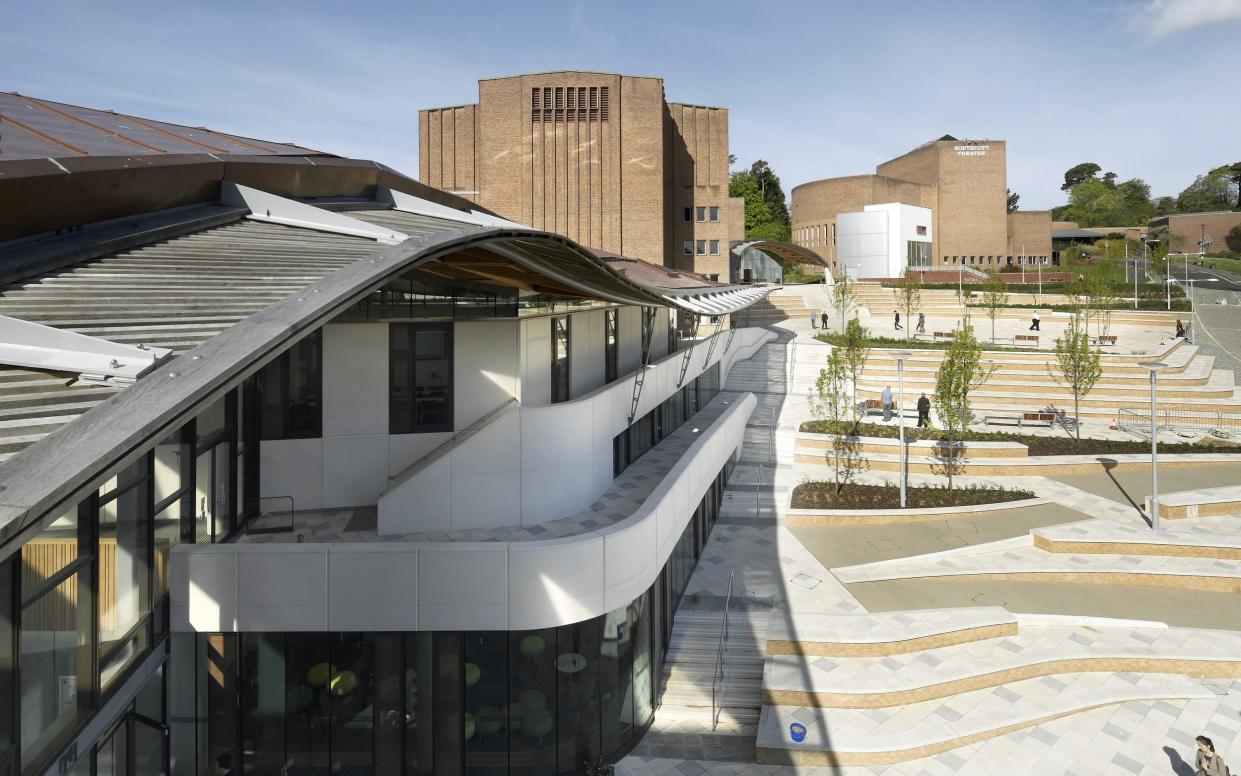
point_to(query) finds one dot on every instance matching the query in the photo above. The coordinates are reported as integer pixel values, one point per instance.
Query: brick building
(601, 158)
(962, 182)
(1189, 229)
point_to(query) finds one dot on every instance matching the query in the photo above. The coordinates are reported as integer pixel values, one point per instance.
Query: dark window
(420, 378)
(8, 681)
(560, 359)
(611, 344)
(688, 214)
(124, 558)
(687, 247)
(290, 391)
(715, 247)
(701, 213)
(701, 246)
(715, 214)
(648, 332)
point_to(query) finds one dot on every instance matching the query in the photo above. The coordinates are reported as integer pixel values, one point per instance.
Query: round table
(570, 663)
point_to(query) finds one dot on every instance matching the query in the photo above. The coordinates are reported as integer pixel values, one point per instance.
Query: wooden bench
(1024, 419)
(1003, 340)
(1106, 339)
(942, 335)
(1026, 339)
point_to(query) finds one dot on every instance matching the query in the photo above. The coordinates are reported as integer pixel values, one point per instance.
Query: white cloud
(1162, 18)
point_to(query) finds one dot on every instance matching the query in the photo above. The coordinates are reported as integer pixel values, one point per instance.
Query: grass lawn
(1039, 445)
(833, 338)
(823, 495)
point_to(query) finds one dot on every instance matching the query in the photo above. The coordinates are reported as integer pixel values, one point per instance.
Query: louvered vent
(568, 103)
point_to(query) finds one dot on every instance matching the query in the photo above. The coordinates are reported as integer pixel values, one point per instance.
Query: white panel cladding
(355, 470)
(485, 355)
(536, 364)
(563, 453)
(355, 379)
(630, 355)
(284, 464)
(862, 243)
(431, 586)
(586, 352)
(659, 338)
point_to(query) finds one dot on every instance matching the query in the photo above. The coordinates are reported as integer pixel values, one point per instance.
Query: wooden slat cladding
(568, 103)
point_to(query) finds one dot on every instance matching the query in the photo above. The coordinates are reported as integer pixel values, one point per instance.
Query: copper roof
(647, 274)
(32, 128)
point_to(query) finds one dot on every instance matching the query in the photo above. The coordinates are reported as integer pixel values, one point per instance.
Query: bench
(1026, 339)
(1002, 340)
(1106, 339)
(942, 335)
(1023, 419)
(874, 406)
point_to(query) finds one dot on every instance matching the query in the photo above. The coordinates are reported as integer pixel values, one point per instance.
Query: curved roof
(235, 285)
(783, 252)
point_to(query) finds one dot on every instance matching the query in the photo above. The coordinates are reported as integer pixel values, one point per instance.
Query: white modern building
(306, 467)
(883, 241)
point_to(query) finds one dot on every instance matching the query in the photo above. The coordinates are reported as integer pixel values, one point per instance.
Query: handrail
(452, 441)
(717, 681)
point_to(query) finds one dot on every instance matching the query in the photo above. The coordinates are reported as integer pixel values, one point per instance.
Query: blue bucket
(797, 731)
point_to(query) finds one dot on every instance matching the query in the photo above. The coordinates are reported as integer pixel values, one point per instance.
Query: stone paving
(1145, 727)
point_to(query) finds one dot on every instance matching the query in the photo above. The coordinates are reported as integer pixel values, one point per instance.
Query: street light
(1191, 282)
(1153, 367)
(900, 356)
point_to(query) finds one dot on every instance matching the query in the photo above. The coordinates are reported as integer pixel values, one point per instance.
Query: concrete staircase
(685, 691)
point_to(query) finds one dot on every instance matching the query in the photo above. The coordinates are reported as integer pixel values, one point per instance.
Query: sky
(1145, 88)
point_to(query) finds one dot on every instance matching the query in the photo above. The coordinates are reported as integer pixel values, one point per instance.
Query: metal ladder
(648, 331)
(719, 321)
(689, 351)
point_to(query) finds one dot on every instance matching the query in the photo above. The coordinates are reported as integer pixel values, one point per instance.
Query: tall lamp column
(1153, 367)
(900, 356)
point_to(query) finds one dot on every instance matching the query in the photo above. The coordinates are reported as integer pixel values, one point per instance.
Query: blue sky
(1147, 88)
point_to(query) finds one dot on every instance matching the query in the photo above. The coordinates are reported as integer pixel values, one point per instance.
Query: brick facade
(964, 185)
(1188, 228)
(545, 149)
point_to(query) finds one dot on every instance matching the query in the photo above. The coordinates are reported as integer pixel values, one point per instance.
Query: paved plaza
(1064, 637)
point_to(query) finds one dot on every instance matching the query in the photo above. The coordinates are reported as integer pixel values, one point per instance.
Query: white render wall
(431, 586)
(872, 243)
(541, 463)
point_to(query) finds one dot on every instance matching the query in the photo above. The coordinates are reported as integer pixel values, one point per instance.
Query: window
(124, 569)
(689, 214)
(917, 253)
(701, 213)
(584, 103)
(648, 332)
(419, 378)
(560, 359)
(289, 391)
(702, 247)
(611, 344)
(715, 247)
(921, 230)
(688, 247)
(8, 685)
(715, 215)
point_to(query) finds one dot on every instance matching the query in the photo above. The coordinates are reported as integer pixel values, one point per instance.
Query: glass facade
(561, 332)
(420, 375)
(649, 430)
(291, 389)
(611, 344)
(480, 702)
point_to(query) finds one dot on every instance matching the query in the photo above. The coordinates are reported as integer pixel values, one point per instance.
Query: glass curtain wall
(651, 429)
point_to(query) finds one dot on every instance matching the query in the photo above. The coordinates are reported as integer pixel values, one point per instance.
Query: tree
(828, 401)
(960, 372)
(1133, 205)
(1164, 206)
(994, 296)
(1217, 190)
(854, 354)
(773, 193)
(1013, 199)
(760, 188)
(843, 298)
(1078, 173)
(1233, 239)
(1080, 366)
(1091, 203)
(909, 298)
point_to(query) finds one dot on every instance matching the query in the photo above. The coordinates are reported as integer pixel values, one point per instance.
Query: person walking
(922, 323)
(812, 318)
(885, 400)
(823, 320)
(924, 412)
(1180, 329)
(1207, 761)
(897, 324)
(1034, 321)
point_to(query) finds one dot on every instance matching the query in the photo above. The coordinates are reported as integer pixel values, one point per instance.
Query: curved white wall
(542, 463)
(427, 586)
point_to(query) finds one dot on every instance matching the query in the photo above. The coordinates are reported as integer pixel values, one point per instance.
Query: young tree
(960, 372)
(829, 401)
(843, 298)
(1080, 366)
(1013, 199)
(994, 296)
(854, 354)
(909, 298)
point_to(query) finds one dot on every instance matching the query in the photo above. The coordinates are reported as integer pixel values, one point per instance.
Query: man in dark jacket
(924, 412)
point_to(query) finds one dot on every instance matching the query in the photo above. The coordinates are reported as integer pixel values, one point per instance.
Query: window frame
(714, 247)
(714, 212)
(611, 344)
(283, 365)
(561, 374)
(700, 247)
(700, 213)
(446, 425)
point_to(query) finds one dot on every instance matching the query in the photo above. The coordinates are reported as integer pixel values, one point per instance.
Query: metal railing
(1138, 422)
(717, 679)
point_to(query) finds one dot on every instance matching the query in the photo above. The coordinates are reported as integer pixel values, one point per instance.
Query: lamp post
(1153, 367)
(1135, 284)
(900, 356)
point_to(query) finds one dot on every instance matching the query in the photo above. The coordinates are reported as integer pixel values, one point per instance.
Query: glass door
(148, 746)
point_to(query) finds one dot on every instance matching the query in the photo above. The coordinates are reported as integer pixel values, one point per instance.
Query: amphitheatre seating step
(1029, 466)
(836, 737)
(821, 444)
(1006, 561)
(1207, 537)
(1033, 651)
(1203, 502)
(884, 633)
